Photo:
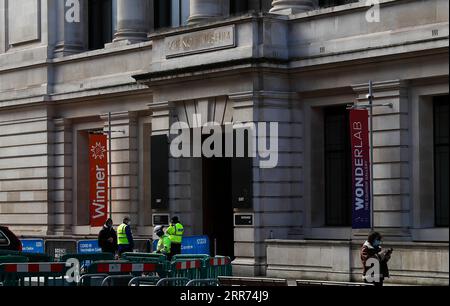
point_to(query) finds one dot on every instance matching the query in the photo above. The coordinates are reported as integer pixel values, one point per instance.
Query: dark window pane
(337, 167)
(162, 13)
(238, 7)
(441, 160)
(100, 23)
(329, 3)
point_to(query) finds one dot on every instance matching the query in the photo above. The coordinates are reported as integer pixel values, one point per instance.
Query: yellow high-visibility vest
(164, 245)
(176, 232)
(122, 238)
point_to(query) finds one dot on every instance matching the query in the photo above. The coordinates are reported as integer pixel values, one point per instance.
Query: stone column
(287, 7)
(201, 10)
(71, 22)
(132, 22)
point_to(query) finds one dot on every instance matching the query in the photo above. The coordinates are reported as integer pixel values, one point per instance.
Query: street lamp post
(370, 96)
(109, 165)
(370, 107)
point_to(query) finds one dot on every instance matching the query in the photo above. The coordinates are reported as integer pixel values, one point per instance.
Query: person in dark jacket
(372, 254)
(107, 238)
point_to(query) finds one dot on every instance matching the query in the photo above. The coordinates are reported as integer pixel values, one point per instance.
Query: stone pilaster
(71, 23)
(132, 21)
(124, 160)
(287, 7)
(60, 208)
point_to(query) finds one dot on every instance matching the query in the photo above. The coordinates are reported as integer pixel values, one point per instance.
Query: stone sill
(339, 9)
(110, 49)
(274, 242)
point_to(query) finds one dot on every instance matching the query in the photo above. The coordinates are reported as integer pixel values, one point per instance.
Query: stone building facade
(64, 65)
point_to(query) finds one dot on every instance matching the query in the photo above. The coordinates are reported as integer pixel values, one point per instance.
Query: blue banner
(33, 246)
(192, 245)
(88, 247)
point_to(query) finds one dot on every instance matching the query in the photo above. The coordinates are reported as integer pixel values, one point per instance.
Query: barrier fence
(33, 274)
(20, 269)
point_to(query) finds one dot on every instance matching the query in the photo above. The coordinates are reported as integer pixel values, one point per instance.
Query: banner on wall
(98, 179)
(361, 193)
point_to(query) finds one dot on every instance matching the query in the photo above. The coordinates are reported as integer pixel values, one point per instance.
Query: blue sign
(33, 246)
(88, 247)
(192, 245)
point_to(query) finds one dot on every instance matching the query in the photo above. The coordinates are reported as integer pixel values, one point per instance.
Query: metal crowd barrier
(252, 281)
(122, 268)
(95, 268)
(190, 269)
(13, 259)
(203, 283)
(316, 283)
(33, 274)
(219, 266)
(92, 280)
(144, 280)
(190, 257)
(200, 267)
(158, 259)
(173, 281)
(88, 259)
(32, 257)
(117, 280)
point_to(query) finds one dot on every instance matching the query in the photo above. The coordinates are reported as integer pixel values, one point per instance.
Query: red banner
(98, 178)
(361, 208)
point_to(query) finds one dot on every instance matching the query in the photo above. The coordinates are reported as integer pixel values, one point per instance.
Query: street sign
(33, 246)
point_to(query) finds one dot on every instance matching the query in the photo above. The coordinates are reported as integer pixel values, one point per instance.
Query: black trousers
(125, 249)
(175, 249)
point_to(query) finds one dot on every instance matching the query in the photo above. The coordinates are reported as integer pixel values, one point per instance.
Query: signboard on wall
(161, 219)
(243, 219)
(192, 245)
(58, 248)
(98, 179)
(33, 246)
(361, 193)
(88, 247)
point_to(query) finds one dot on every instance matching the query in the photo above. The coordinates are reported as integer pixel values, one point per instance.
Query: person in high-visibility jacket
(125, 237)
(175, 232)
(164, 243)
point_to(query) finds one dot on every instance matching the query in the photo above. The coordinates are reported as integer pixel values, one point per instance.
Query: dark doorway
(217, 205)
(338, 167)
(441, 160)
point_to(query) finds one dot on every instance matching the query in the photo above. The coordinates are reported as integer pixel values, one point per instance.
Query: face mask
(376, 243)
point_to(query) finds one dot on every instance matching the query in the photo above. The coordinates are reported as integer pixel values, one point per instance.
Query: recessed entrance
(217, 205)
